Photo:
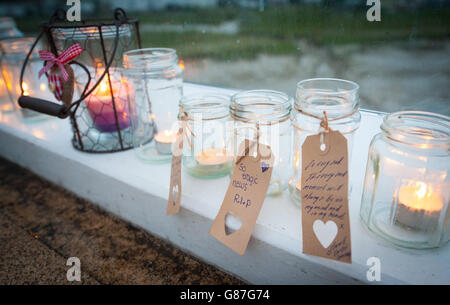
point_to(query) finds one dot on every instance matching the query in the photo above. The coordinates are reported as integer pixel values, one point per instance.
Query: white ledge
(137, 192)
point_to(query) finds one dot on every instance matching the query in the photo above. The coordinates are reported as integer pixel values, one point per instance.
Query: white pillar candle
(164, 140)
(213, 156)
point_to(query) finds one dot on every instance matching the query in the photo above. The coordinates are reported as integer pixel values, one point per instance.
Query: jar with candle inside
(407, 187)
(8, 29)
(264, 116)
(206, 151)
(339, 99)
(156, 80)
(13, 52)
(102, 120)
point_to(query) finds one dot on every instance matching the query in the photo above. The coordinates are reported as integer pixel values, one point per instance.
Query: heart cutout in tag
(232, 221)
(325, 232)
(264, 166)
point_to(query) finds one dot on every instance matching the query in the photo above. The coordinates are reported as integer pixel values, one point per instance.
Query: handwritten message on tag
(173, 204)
(324, 191)
(245, 196)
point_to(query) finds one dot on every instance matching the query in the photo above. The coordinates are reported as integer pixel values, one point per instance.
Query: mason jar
(263, 115)
(340, 100)
(156, 80)
(8, 29)
(407, 185)
(207, 153)
(14, 52)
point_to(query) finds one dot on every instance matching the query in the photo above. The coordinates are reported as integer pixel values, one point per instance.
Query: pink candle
(101, 109)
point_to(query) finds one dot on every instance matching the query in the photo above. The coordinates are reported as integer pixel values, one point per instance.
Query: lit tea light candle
(101, 108)
(418, 207)
(26, 90)
(213, 156)
(164, 140)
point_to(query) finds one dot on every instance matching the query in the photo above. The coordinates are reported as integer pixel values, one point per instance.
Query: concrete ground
(42, 225)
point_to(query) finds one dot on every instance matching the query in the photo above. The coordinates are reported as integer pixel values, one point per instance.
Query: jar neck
(205, 106)
(261, 106)
(418, 129)
(339, 98)
(149, 60)
(7, 23)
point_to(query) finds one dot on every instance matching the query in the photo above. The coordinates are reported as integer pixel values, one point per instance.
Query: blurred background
(401, 62)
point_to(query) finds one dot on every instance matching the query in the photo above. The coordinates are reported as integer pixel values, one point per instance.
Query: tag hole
(175, 194)
(323, 147)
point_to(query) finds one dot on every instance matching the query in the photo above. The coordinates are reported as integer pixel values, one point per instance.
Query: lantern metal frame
(58, 21)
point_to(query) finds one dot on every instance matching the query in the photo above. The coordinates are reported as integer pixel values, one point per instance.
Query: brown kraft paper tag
(245, 195)
(324, 191)
(173, 204)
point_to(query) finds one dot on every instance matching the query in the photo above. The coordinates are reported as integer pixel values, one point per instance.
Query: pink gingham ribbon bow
(66, 56)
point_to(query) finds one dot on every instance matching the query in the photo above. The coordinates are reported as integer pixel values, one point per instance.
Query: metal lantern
(96, 96)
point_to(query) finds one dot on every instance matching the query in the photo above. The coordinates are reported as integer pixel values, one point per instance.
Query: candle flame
(25, 89)
(165, 136)
(297, 159)
(181, 64)
(422, 190)
(420, 196)
(168, 132)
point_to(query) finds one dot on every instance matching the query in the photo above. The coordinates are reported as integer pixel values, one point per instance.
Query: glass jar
(407, 186)
(157, 83)
(340, 99)
(207, 117)
(265, 113)
(102, 121)
(8, 29)
(14, 51)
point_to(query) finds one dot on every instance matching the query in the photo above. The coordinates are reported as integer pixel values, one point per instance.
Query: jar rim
(150, 51)
(277, 104)
(355, 87)
(418, 128)
(6, 22)
(149, 58)
(211, 105)
(338, 97)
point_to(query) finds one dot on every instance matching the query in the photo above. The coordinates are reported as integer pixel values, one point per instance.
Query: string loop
(324, 121)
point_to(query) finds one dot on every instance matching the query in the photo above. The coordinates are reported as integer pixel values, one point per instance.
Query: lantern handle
(58, 16)
(37, 104)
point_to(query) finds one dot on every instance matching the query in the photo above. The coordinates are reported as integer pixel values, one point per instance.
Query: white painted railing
(137, 192)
